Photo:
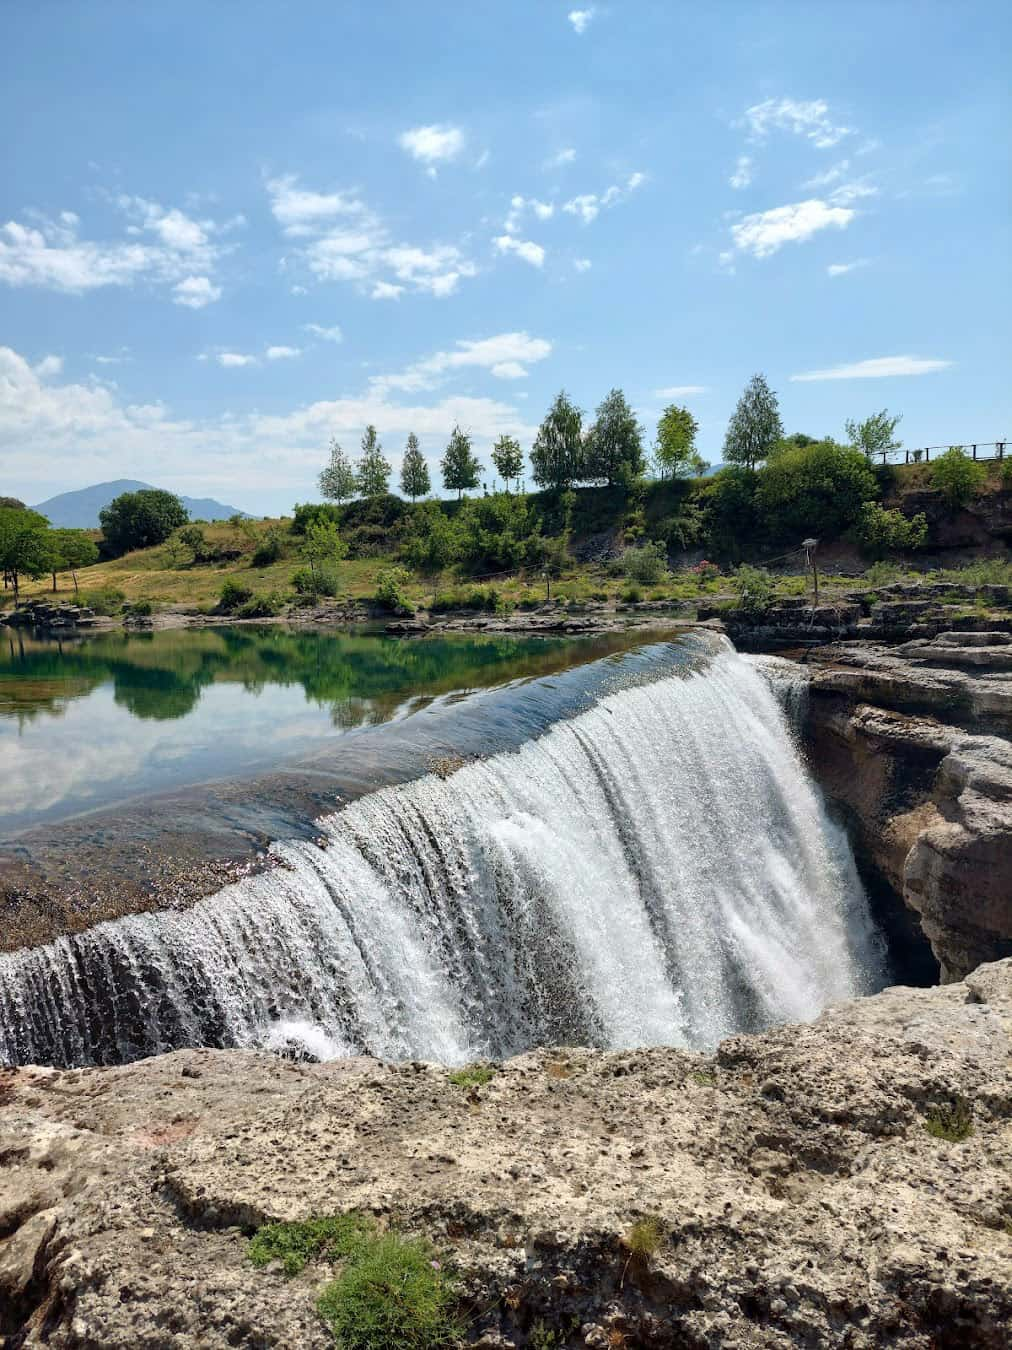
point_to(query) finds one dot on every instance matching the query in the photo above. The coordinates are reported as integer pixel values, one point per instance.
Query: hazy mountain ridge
(80, 509)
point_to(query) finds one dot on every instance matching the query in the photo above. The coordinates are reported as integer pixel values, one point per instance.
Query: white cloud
(810, 120)
(878, 368)
(49, 365)
(196, 292)
(582, 264)
(523, 248)
(580, 18)
(831, 176)
(564, 156)
(332, 334)
(234, 359)
(765, 232)
(507, 356)
(300, 211)
(841, 269)
(383, 290)
(852, 192)
(434, 144)
(283, 353)
(588, 205)
(81, 433)
(744, 171)
(680, 391)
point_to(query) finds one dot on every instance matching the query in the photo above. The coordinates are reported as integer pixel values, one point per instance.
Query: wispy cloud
(283, 353)
(580, 18)
(432, 145)
(506, 356)
(521, 248)
(765, 232)
(810, 120)
(877, 368)
(589, 205)
(331, 334)
(234, 360)
(582, 264)
(841, 269)
(567, 155)
(744, 172)
(680, 391)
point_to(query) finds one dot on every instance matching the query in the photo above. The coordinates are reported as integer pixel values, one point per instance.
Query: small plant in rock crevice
(953, 1122)
(642, 1241)
(472, 1076)
(295, 1244)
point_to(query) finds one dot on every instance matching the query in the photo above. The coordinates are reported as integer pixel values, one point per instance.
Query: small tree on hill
(337, 480)
(373, 476)
(323, 544)
(72, 549)
(25, 546)
(875, 433)
(675, 450)
(557, 456)
(141, 519)
(614, 445)
(414, 471)
(755, 427)
(460, 467)
(508, 459)
(957, 477)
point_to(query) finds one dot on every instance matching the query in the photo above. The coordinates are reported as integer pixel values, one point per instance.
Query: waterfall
(657, 869)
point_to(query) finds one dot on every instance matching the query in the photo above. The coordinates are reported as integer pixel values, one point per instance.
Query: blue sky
(229, 232)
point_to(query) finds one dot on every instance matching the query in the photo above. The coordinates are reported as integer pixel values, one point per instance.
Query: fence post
(927, 454)
(975, 452)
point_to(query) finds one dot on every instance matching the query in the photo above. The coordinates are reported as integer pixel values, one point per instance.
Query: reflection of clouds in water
(99, 753)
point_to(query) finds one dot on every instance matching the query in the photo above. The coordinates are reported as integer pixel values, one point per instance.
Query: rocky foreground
(847, 1183)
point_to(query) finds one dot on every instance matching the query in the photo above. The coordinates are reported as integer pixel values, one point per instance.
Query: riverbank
(842, 1183)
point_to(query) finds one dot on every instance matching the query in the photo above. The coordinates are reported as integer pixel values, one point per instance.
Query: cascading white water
(657, 869)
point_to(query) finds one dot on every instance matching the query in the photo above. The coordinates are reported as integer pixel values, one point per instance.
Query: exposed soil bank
(803, 1192)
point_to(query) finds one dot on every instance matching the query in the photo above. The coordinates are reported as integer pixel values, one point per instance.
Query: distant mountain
(79, 510)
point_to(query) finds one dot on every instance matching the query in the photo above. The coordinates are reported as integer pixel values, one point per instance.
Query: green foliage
(193, 538)
(952, 1123)
(644, 1238)
(233, 595)
(414, 470)
(647, 564)
(675, 450)
(373, 474)
(557, 456)
(880, 531)
(543, 1338)
(262, 606)
(729, 511)
(631, 595)
(141, 609)
(269, 547)
(434, 540)
(755, 589)
(508, 459)
(106, 600)
(316, 581)
(473, 1076)
(958, 477)
(390, 590)
(476, 597)
(755, 426)
(322, 548)
(296, 1244)
(460, 467)
(816, 490)
(307, 512)
(25, 544)
(12, 504)
(613, 449)
(140, 519)
(72, 549)
(337, 480)
(875, 433)
(393, 1294)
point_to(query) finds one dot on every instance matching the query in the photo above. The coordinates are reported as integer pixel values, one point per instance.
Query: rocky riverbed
(845, 1183)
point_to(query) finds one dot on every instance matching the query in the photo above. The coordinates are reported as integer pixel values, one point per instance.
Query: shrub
(880, 531)
(107, 600)
(269, 547)
(233, 594)
(646, 564)
(957, 477)
(140, 519)
(477, 597)
(755, 590)
(814, 489)
(631, 595)
(644, 1238)
(262, 606)
(473, 1076)
(393, 1293)
(705, 571)
(324, 581)
(295, 1244)
(141, 609)
(730, 510)
(952, 1123)
(390, 590)
(193, 538)
(309, 513)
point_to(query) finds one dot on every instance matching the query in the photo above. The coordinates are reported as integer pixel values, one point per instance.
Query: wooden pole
(810, 545)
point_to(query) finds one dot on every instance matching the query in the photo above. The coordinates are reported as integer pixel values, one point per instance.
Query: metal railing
(975, 450)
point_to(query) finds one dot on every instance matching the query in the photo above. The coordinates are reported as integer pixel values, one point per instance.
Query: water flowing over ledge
(657, 869)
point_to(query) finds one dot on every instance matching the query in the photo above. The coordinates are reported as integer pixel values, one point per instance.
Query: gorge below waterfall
(655, 867)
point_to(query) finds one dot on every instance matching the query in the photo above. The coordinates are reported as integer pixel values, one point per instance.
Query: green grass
(703, 1077)
(644, 1238)
(296, 1244)
(394, 1294)
(472, 1076)
(953, 1123)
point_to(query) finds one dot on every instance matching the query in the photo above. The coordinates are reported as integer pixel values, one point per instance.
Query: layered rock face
(913, 742)
(841, 1184)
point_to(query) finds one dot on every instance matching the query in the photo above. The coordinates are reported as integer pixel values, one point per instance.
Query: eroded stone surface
(802, 1200)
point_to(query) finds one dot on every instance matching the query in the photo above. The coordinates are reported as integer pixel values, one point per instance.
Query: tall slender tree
(614, 440)
(460, 466)
(755, 427)
(675, 450)
(557, 456)
(337, 480)
(373, 475)
(508, 459)
(414, 471)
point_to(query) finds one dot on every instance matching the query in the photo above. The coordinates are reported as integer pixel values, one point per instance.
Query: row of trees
(30, 547)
